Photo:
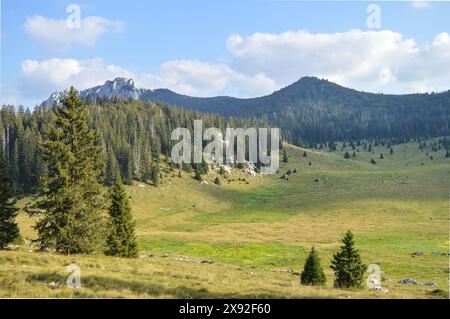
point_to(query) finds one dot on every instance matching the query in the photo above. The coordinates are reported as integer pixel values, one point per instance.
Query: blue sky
(206, 48)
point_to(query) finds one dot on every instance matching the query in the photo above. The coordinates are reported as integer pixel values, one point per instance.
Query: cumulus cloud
(40, 78)
(207, 79)
(59, 34)
(191, 77)
(367, 60)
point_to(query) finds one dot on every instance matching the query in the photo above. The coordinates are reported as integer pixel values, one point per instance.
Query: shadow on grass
(98, 284)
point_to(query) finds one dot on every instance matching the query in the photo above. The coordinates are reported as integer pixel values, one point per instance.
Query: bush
(312, 273)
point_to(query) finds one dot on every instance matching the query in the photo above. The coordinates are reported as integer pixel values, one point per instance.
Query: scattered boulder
(52, 285)
(434, 253)
(194, 260)
(430, 283)
(408, 281)
(417, 254)
(379, 288)
(251, 169)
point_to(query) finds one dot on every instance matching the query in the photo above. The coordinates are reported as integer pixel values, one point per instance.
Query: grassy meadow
(249, 237)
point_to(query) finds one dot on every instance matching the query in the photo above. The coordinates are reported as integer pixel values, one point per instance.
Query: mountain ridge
(127, 88)
(308, 110)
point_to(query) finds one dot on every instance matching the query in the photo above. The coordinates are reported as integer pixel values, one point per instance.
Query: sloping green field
(249, 238)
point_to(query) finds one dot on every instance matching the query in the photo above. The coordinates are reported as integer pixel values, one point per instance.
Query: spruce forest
(132, 134)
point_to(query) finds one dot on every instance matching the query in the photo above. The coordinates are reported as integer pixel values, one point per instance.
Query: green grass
(394, 208)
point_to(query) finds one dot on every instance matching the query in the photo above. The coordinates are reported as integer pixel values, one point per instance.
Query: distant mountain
(117, 88)
(309, 110)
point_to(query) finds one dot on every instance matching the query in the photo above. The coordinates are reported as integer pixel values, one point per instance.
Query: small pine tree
(312, 273)
(381, 156)
(310, 163)
(9, 230)
(121, 240)
(305, 154)
(221, 170)
(204, 168)
(155, 174)
(198, 176)
(346, 155)
(217, 181)
(391, 151)
(373, 161)
(285, 157)
(347, 265)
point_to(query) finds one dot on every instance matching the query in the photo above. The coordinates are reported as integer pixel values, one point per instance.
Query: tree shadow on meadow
(147, 290)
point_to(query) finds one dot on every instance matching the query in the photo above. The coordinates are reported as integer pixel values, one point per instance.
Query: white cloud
(421, 4)
(40, 78)
(191, 77)
(367, 60)
(206, 79)
(58, 34)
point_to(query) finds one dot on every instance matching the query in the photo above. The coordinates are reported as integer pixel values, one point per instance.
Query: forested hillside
(133, 134)
(308, 111)
(312, 110)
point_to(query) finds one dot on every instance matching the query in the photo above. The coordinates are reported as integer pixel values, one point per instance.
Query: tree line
(134, 137)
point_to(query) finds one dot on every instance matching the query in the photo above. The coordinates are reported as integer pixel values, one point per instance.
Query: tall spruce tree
(312, 273)
(121, 239)
(112, 169)
(72, 200)
(347, 265)
(8, 212)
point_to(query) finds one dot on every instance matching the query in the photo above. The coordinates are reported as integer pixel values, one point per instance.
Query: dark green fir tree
(71, 200)
(9, 230)
(312, 273)
(347, 265)
(121, 238)
(285, 157)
